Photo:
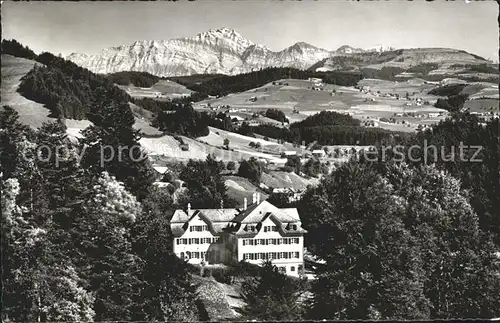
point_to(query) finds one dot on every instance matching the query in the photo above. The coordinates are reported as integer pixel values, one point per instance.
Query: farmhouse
(318, 153)
(254, 233)
(315, 80)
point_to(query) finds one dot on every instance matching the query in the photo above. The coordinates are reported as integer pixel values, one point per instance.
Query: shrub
(231, 165)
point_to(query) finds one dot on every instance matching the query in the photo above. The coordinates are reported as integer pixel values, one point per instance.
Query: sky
(88, 27)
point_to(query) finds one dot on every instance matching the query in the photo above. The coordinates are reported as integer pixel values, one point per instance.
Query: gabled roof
(256, 212)
(219, 215)
(235, 221)
(216, 219)
(180, 216)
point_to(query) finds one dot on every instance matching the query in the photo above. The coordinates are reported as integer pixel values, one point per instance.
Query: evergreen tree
(373, 267)
(11, 132)
(272, 296)
(111, 268)
(251, 169)
(206, 187)
(167, 293)
(459, 260)
(112, 144)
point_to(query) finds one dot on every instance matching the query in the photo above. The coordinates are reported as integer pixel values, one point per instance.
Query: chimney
(245, 203)
(258, 197)
(254, 198)
(189, 208)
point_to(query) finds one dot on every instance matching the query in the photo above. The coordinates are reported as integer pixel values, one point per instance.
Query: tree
(231, 165)
(313, 167)
(272, 296)
(206, 187)
(226, 143)
(295, 163)
(373, 268)
(22, 242)
(111, 267)
(167, 293)
(251, 169)
(112, 144)
(11, 132)
(459, 260)
(281, 200)
(276, 115)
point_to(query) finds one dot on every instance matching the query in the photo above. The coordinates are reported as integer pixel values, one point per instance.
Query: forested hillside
(140, 79)
(223, 85)
(327, 128)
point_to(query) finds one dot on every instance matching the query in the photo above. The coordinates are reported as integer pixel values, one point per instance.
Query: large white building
(254, 234)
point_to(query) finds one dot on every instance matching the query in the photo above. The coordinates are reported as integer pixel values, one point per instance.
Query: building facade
(253, 234)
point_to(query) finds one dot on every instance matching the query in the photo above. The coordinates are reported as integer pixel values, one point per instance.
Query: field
(483, 105)
(297, 99)
(199, 148)
(13, 69)
(163, 89)
(35, 114)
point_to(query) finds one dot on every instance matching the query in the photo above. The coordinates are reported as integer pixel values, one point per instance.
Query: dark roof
(237, 221)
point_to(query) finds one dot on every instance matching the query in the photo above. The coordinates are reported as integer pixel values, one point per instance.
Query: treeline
(76, 232)
(65, 88)
(140, 79)
(14, 48)
(326, 118)
(433, 212)
(385, 73)
(65, 96)
(423, 68)
(224, 85)
(327, 128)
(448, 90)
(184, 121)
(455, 99)
(479, 68)
(276, 114)
(156, 106)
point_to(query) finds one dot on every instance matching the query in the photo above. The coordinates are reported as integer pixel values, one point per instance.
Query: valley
(251, 194)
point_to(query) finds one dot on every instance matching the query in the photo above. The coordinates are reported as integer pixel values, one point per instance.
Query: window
(275, 228)
(292, 268)
(265, 229)
(296, 254)
(282, 269)
(178, 241)
(184, 241)
(198, 228)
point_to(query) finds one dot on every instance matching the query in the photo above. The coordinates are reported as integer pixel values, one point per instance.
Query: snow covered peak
(222, 50)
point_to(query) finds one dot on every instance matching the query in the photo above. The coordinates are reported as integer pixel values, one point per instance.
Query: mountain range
(216, 51)
(225, 51)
